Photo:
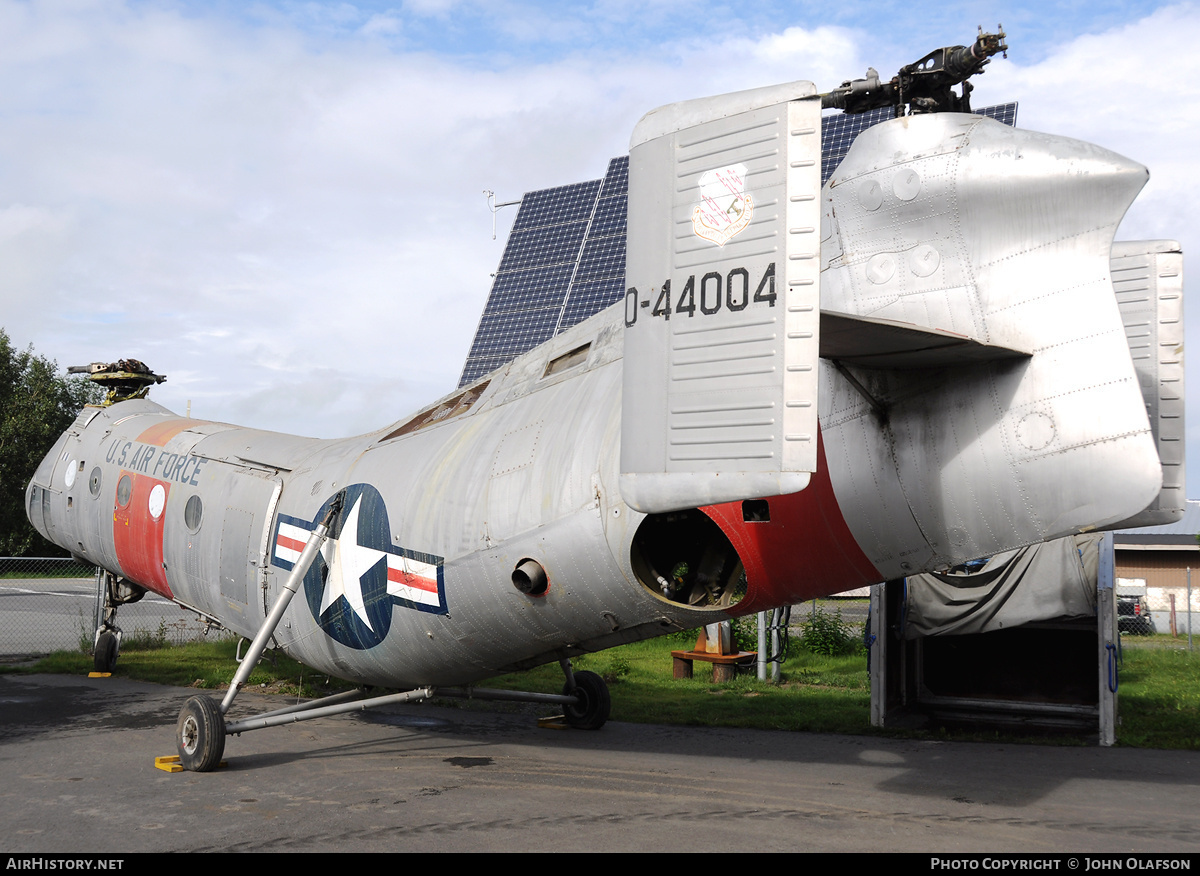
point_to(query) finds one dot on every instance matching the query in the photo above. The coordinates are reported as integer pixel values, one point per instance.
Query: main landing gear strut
(202, 728)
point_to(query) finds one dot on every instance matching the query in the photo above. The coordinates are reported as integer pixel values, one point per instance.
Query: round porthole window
(193, 513)
(94, 482)
(157, 501)
(124, 490)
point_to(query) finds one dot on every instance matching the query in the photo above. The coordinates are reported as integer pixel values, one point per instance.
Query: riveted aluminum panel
(1148, 282)
(722, 304)
(963, 225)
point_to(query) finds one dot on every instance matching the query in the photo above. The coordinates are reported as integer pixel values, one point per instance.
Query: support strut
(315, 541)
(201, 730)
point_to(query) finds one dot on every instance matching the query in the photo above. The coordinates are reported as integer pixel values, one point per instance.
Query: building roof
(1181, 533)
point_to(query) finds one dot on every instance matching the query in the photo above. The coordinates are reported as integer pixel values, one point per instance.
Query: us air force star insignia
(348, 562)
(359, 576)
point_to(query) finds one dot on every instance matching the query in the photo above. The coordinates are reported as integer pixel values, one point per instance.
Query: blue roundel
(347, 585)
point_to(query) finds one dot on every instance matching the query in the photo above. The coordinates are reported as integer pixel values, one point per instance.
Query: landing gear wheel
(107, 647)
(594, 704)
(200, 735)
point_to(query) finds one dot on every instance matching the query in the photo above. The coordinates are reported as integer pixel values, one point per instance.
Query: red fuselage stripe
(410, 580)
(805, 551)
(138, 537)
(289, 543)
(161, 433)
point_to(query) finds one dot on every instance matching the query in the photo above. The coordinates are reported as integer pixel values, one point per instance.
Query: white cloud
(293, 227)
(246, 206)
(1136, 90)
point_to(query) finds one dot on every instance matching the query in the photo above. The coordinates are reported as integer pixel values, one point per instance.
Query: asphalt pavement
(77, 774)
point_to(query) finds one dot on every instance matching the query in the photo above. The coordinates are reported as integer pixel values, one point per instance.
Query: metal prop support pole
(776, 645)
(355, 701)
(308, 711)
(762, 646)
(315, 541)
(515, 696)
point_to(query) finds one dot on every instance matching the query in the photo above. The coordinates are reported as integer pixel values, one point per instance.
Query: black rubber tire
(200, 735)
(594, 702)
(107, 648)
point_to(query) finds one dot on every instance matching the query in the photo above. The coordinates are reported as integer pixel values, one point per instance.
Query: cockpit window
(568, 360)
(447, 410)
(124, 490)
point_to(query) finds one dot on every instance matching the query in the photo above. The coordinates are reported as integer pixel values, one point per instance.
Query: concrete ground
(77, 774)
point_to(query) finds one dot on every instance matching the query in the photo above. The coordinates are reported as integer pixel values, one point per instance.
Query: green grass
(208, 665)
(825, 694)
(1159, 698)
(1159, 693)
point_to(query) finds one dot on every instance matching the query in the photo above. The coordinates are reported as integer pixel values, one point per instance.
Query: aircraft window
(94, 482)
(568, 360)
(157, 501)
(447, 410)
(193, 513)
(685, 557)
(124, 490)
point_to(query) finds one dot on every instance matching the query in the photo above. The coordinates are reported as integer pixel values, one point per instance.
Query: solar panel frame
(530, 289)
(548, 207)
(590, 297)
(601, 257)
(610, 217)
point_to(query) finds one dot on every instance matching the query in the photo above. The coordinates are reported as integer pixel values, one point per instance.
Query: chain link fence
(49, 604)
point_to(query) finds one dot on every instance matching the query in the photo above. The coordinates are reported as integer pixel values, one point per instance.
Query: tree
(36, 405)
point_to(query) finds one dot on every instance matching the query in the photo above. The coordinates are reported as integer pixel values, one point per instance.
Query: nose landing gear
(111, 593)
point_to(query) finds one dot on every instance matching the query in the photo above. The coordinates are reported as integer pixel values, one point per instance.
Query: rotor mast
(923, 86)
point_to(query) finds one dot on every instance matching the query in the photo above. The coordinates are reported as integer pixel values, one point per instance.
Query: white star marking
(348, 561)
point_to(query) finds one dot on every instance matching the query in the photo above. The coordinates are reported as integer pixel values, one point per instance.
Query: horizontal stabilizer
(887, 343)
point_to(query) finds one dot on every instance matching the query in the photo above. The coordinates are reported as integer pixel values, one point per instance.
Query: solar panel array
(565, 256)
(564, 261)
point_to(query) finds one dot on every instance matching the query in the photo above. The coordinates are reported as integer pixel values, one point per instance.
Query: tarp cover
(1056, 579)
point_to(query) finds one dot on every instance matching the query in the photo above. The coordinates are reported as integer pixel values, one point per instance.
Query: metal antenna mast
(494, 207)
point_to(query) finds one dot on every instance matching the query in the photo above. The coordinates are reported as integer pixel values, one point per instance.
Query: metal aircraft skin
(970, 382)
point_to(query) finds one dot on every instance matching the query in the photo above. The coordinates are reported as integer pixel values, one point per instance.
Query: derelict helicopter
(804, 388)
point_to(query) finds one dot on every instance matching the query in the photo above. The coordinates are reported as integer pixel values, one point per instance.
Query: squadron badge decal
(725, 208)
(359, 575)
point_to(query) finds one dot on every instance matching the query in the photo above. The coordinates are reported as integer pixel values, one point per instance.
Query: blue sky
(280, 205)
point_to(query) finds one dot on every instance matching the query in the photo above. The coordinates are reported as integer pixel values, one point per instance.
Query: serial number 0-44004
(704, 297)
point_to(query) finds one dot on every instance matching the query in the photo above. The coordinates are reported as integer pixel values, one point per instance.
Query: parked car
(1133, 616)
